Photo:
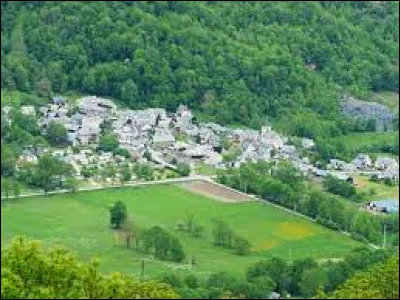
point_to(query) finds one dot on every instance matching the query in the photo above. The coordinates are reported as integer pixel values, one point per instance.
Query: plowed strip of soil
(216, 192)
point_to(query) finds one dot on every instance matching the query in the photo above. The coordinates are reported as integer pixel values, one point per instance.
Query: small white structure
(362, 161)
(28, 110)
(383, 163)
(307, 143)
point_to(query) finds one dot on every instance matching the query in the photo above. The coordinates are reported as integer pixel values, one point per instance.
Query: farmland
(80, 222)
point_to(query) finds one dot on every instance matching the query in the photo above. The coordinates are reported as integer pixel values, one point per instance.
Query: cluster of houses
(383, 167)
(171, 138)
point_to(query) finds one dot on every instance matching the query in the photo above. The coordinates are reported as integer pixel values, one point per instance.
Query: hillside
(234, 62)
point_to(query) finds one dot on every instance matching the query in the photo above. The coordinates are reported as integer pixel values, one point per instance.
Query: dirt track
(215, 191)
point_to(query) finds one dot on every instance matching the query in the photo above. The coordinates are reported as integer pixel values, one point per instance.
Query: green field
(389, 99)
(382, 191)
(358, 141)
(80, 222)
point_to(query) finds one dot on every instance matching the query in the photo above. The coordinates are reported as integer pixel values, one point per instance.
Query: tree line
(301, 278)
(285, 185)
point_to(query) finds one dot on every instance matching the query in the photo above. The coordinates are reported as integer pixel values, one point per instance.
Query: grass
(80, 223)
(361, 140)
(389, 99)
(16, 99)
(382, 190)
(204, 169)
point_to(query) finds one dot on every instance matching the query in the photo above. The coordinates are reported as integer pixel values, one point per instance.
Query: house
(390, 174)
(342, 176)
(184, 112)
(273, 139)
(28, 110)
(94, 106)
(163, 138)
(60, 101)
(6, 109)
(320, 172)
(362, 161)
(28, 156)
(337, 164)
(385, 205)
(89, 131)
(213, 158)
(307, 143)
(274, 295)
(196, 152)
(383, 163)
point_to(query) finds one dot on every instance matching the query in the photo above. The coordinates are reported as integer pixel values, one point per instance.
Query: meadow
(80, 222)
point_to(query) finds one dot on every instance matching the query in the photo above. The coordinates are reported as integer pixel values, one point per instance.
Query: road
(137, 183)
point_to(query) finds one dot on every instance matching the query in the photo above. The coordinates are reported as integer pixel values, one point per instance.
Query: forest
(241, 63)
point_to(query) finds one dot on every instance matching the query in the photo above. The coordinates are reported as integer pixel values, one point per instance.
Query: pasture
(80, 222)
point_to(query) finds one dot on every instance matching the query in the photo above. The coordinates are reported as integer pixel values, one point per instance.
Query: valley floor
(80, 222)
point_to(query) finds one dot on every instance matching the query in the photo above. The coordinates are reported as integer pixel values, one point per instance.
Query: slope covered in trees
(379, 282)
(30, 272)
(236, 62)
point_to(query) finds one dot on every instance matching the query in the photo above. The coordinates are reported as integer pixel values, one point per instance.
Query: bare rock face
(354, 108)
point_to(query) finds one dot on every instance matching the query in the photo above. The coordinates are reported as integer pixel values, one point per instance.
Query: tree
(339, 187)
(162, 244)
(297, 269)
(108, 142)
(118, 215)
(183, 169)
(57, 134)
(129, 93)
(274, 268)
(242, 246)
(222, 233)
(50, 172)
(8, 160)
(6, 186)
(126, 174)
(44, 88)
(311, 281)
(30, 271)
(71, 184)
(381, 281)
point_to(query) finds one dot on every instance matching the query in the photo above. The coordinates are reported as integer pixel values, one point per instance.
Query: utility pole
(142, 271)
(384, 236)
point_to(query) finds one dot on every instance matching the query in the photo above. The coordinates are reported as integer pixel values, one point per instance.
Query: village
(166, 139)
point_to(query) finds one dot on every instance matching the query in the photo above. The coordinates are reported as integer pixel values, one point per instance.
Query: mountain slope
(234, 62)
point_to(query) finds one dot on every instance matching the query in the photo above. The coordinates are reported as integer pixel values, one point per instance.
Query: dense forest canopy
(234, 62)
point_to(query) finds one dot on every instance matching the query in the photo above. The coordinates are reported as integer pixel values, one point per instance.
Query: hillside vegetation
(234, 62)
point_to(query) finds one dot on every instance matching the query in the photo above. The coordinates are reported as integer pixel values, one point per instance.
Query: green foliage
(126, 174)
(144, 171)
(29, 271)
(164, 246)
(118, 215)
(108, 142)
(223, 234)
(9, 185)
(183, 169)
(327, 209)
(49, 173)
(235, 63)
(379, 282)
(339, 187)
(242, 246)
(8, 160)
(57, 134)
